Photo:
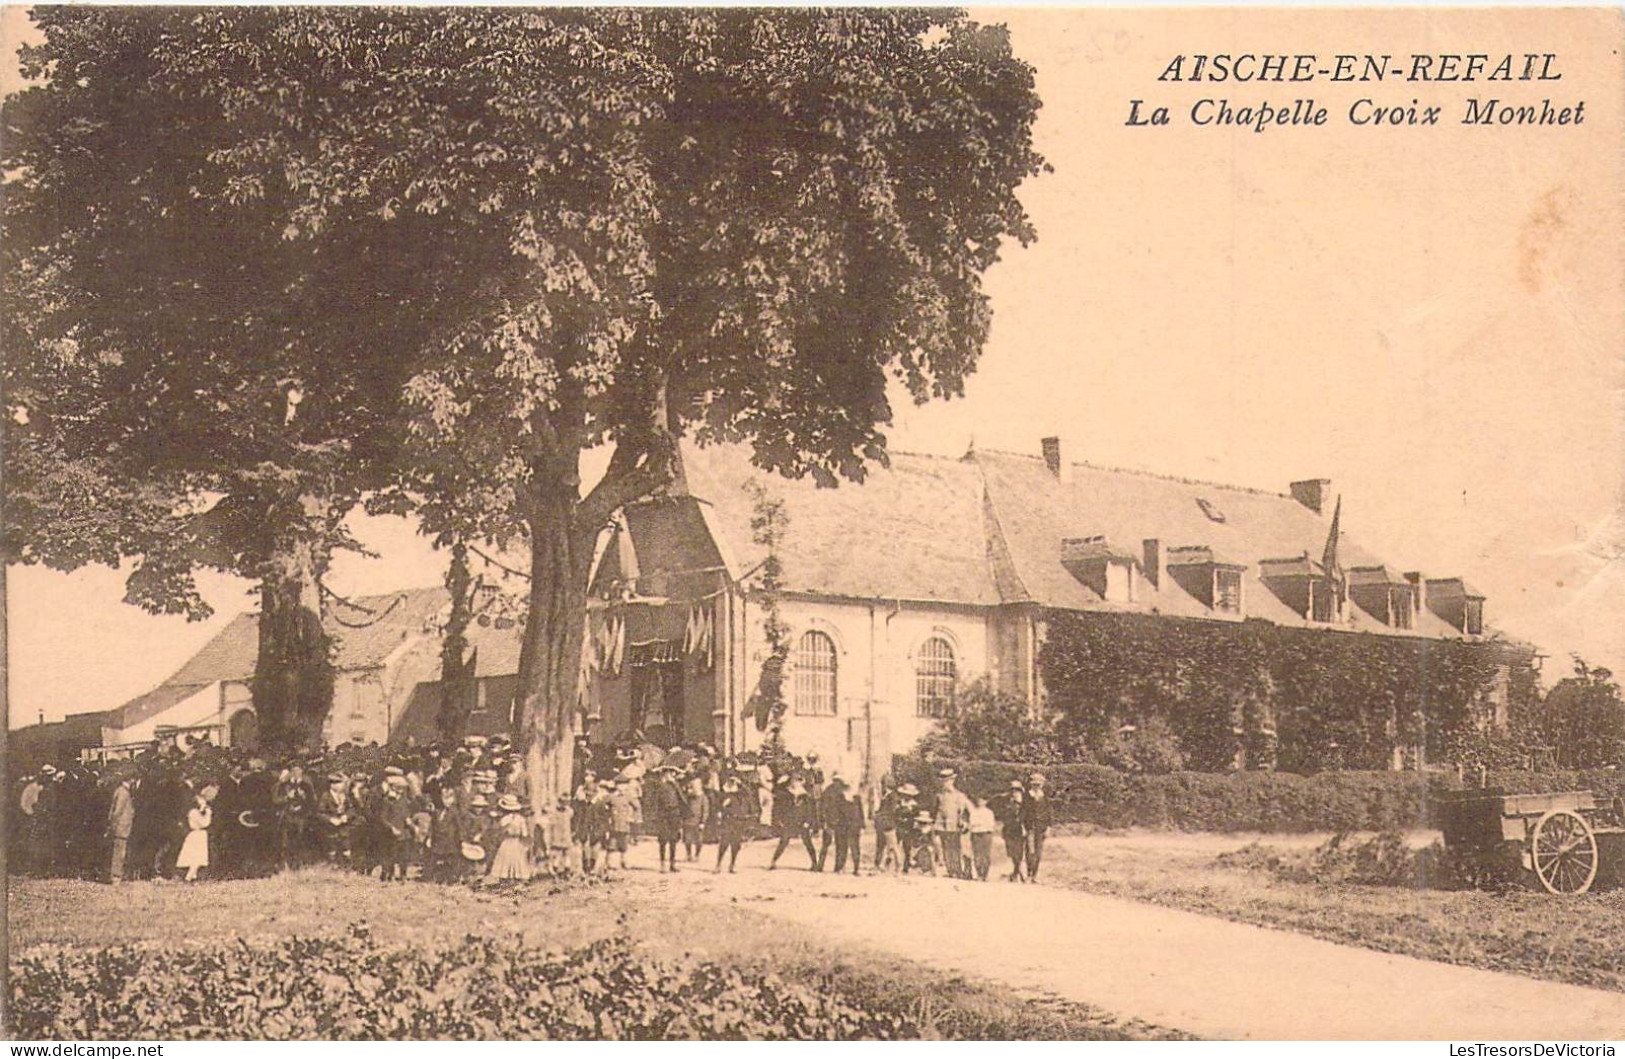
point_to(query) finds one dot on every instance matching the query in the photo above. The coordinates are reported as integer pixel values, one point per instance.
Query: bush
(1151, 747)
(982, 723)
(349, 987)
(1383, 859)
(1273, 802)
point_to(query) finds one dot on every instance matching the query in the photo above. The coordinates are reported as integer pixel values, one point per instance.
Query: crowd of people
(458, 813)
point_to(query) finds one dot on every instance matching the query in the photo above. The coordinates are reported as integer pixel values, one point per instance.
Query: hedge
(1240, 801)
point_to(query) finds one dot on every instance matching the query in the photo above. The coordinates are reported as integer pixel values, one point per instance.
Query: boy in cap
(333, 813)
(885, 819)
(622, 812)
(695, 800)
(737, 814)
(907, 808)
(981, 824)
(1010, 810)
(666, 811)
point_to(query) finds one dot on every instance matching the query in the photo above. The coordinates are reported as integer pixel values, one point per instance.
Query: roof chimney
(1052, 458)
(1152, 564)
(1312, 493)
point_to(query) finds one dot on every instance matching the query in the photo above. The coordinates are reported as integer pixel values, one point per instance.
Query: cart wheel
(1565, 852)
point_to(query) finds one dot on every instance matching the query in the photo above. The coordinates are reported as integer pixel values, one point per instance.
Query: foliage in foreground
(351, 987)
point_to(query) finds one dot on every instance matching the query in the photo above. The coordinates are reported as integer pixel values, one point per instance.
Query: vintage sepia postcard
(773, 523)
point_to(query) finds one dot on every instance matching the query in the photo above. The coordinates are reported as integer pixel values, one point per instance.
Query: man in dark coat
(665, 811)
(255, 818)
(1035, 821)
(842, 815)
(171, 801)
(793, 817)
(1011, 811)
(226, 833)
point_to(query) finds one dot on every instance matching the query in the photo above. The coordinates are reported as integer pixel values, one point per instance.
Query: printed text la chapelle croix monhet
(1509, 89)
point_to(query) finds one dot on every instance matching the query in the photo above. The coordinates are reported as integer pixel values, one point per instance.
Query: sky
(1431, 317)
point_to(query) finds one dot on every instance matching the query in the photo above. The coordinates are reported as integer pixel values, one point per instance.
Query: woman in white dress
(195, 850)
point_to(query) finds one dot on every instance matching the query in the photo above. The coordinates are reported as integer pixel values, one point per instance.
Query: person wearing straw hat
(952, 810)
(512, 860)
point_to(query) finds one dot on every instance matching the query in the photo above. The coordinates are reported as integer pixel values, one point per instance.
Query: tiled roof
(913, 531)
(151, 704)
(988, 528)
(363, 634)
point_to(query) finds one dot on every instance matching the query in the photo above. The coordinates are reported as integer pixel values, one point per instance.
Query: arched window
(934, 677)
(814, 693)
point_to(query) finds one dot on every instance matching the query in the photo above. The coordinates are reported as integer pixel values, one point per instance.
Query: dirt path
(1208, 977)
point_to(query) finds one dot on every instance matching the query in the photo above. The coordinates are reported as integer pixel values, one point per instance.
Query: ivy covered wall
(1255, 695)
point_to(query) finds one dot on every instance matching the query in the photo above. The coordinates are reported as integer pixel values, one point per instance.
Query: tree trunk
(561, 551)
(293, 674)
(456, 678)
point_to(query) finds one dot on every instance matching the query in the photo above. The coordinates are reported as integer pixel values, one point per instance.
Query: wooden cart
(1566, 842)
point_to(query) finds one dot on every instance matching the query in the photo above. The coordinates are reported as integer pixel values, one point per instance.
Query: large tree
(626, 225)
(199, 374)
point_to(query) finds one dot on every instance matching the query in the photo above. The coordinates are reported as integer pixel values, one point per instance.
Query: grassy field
(551, 916)
(1580, 940)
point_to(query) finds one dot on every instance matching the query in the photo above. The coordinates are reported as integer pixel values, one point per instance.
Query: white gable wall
(877, 645)
(202, 707)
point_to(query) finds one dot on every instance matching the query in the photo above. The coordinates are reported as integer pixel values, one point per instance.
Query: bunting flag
(1328, 560)
(617, 645)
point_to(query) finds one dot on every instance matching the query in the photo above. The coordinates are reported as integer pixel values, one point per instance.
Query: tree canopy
(323, 252)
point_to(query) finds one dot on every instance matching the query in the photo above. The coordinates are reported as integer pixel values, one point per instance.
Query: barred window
(934, 677)
(1227, 591)
(814, 691)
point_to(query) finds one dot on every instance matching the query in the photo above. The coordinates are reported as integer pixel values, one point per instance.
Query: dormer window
(1302, 584)
(1389, 598)
(1401, 607)
(1458, 603)
(1205, 575)
(1107, 570)
(1322, 600)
